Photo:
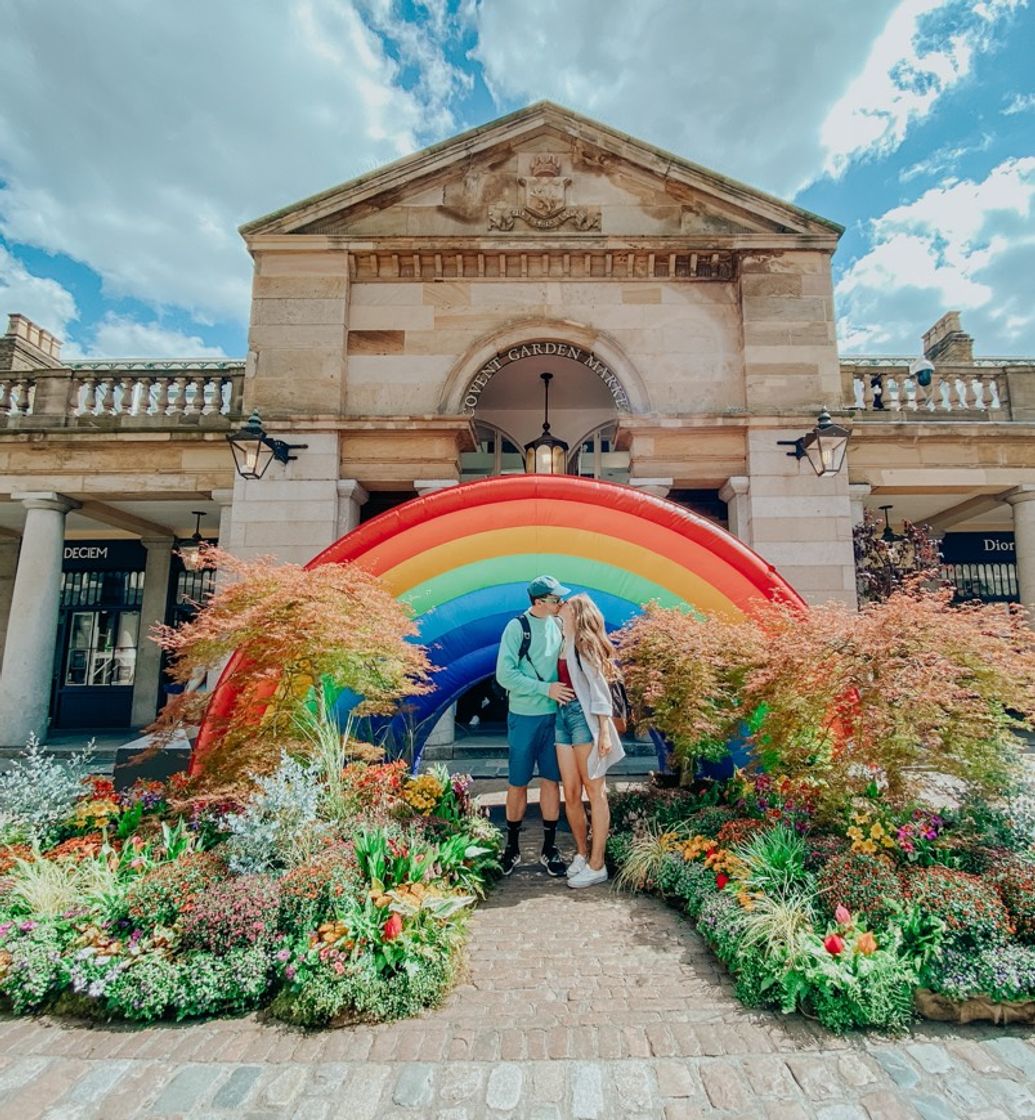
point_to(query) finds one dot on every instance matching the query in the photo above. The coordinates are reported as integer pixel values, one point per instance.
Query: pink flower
(843, 916)
(393, 927)
(833, 944)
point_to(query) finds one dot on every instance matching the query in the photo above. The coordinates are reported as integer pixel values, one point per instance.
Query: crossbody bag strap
(526, 643)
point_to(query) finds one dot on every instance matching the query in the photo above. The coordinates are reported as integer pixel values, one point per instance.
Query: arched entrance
(462, 558)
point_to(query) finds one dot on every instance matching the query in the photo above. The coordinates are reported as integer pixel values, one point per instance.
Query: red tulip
(721, 879)
(834, 945)
(393, 927)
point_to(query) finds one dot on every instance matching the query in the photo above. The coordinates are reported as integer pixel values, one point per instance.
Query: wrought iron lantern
(824, 447)
(254, 450)
(547, 454)
(192, 553)
(889, 536)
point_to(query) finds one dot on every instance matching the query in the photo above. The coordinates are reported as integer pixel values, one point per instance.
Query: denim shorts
(530, 746)
(572, 726)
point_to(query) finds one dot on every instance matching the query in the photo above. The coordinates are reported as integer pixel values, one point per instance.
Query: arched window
(596, 456)
(496, 453)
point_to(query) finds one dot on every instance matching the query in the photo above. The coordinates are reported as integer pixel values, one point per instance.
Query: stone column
(351, 499)
(425, 486)
(8, 566)
(1023, 501)
(29, 650)
(656, 487)
(858, 492)
(734, 492)
(152, 609)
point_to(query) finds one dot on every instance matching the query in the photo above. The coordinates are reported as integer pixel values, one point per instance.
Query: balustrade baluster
(106, 399)
(894, 394)
(161, 396)
(945, 390)
(5, 397)
(859, 389)
(979, 392)
(909, 386)
(196, 396)
(996, 403)
(961, 393)
(177, 392)
(127, 385)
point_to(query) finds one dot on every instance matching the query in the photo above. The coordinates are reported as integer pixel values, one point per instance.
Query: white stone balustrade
(72, 397)
(895, 391)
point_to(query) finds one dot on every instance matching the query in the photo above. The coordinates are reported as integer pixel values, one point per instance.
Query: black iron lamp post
(254, 450)
(192, 555)
(547, 454)
(889, 536)
(824, 447)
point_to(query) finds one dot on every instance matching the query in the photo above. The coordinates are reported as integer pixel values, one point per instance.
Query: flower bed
(331, 891)
(862, 922)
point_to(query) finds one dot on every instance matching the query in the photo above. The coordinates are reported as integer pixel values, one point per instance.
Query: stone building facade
(399, 329)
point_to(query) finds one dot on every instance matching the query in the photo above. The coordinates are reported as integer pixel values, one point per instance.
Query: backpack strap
(526, 643)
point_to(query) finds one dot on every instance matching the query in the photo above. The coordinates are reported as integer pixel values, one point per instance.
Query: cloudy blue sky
(136, 135)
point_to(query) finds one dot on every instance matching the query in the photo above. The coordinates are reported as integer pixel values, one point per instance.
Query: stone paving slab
(587, 1005)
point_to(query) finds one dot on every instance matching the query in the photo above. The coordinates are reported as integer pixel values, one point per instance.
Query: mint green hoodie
(528, 695)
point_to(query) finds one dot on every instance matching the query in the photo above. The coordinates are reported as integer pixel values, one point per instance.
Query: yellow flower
(877, 830)
(854, 833)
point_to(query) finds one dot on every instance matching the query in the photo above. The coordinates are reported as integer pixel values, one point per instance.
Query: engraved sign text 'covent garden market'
(546, 350)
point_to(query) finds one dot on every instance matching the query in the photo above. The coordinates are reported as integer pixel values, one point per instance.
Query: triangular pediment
(542, 172)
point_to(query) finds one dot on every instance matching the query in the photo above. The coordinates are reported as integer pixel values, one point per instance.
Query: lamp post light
(547, 454)
(889, 536)
(824, 447)
(192, 554)
(254, 450)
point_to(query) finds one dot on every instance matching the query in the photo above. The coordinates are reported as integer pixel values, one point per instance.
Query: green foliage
(775, 860)
(38, 794)
(1001, 972)
(280, 826)
(33, 968)
(1014, 882)
(971, 910)
(232, 913)
(158, 897)
(646, 857)
(864, 884)
(708, 820)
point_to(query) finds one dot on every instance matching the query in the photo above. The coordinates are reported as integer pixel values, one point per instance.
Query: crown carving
(546, 166)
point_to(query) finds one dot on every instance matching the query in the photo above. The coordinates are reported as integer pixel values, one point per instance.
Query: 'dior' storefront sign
(978, 548)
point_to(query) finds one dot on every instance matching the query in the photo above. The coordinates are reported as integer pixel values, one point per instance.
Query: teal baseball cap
(542, 586)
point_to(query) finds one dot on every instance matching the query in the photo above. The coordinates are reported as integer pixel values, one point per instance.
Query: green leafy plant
(775, 862)
(864, 884)
(973, 913)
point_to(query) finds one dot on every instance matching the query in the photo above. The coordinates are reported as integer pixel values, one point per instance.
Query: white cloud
(927, 48)
(769, 93)
(119, 336)
(1020, 103)
(44, 301)
(137, 137)
(962, 245)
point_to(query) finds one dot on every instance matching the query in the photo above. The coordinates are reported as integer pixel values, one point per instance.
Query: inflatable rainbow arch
(462, 558)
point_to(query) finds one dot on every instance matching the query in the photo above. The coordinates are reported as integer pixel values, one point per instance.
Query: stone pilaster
(291, 513)
(734, 492)
(858, 492)
(147, 672)
(1023, 501)
(32, 630)
(351, 499)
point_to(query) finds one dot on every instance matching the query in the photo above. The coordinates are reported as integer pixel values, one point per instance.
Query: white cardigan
(594, 694)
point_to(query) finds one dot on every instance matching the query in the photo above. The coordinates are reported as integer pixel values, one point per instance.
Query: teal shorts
(531, 747)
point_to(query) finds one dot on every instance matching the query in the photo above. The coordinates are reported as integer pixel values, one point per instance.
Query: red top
(562, 671)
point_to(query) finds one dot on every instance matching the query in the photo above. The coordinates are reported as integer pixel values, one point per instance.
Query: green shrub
(309, 891)
(865, 885)
(971, 909)
(232, 914)
(822, 847)
(708, 821)
(32, 964)
(1014, 882)
(1000, 972)
(158, 897)
(775, 861)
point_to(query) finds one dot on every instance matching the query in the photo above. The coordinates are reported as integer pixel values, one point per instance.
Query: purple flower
(284, 955)
(289, 972)
(27, 927)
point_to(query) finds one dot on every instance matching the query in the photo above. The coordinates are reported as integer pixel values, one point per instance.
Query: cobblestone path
(589, 1005)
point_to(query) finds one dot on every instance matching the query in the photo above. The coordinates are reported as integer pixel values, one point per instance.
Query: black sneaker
(511, 859)
(551, 860)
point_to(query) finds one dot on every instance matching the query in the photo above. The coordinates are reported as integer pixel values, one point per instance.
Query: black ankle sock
(549, 835)
(513, 837)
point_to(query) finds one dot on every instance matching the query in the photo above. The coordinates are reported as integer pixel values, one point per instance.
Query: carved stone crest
(545, 202)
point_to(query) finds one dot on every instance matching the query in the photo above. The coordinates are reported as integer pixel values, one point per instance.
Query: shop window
(496, 453)
(597, 457)
(102, 648)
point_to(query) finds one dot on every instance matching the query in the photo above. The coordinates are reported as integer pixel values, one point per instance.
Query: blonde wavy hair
(590, 636)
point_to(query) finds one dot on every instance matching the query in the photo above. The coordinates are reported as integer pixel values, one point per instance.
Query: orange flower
(866, 944)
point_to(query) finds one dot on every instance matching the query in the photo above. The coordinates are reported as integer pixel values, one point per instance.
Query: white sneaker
(576, 865)
(587, 877)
